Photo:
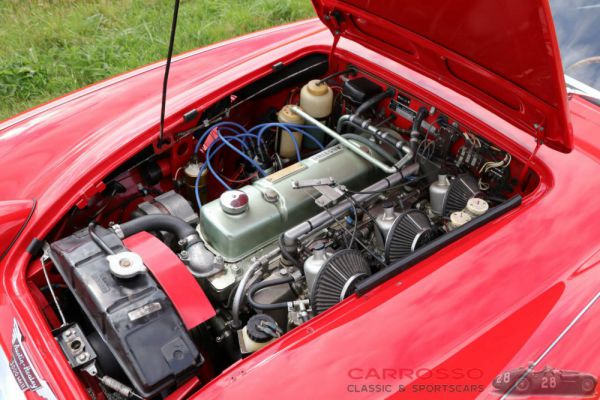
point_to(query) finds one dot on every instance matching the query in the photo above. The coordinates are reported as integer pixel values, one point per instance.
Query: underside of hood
(500, 53)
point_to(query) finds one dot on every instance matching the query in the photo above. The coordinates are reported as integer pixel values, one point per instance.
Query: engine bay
(283, 199)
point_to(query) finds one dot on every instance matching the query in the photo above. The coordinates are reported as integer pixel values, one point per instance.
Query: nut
(83, 357)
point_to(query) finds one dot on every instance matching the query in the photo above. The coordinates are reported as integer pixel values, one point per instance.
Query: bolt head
(271, 196)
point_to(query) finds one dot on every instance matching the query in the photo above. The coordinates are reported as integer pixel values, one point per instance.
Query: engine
(341, 183)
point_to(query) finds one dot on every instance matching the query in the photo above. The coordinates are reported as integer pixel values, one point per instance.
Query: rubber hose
(158, 222)
(414, 134)
(373, 100)
(418, 120)
(98, 240)
(265, 284)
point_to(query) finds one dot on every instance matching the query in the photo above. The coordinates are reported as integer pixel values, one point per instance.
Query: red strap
(173, 276)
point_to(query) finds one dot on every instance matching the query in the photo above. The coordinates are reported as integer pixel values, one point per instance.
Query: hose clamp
(118, 231)
(189, 240)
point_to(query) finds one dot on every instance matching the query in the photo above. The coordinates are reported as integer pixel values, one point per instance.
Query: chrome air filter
(337, 279)
(410, 231)
(461, 189)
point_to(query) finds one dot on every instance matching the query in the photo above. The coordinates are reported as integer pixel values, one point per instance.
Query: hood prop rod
(163, 105)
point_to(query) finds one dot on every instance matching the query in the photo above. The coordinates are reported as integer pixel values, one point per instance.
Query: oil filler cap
(234, 202)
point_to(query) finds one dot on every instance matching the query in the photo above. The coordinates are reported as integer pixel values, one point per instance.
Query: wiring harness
(248, 140)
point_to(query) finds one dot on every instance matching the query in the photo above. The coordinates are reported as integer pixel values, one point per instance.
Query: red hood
(501, 54)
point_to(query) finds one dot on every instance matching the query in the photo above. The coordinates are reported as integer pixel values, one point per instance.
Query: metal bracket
(298, 312)
(313, 182)
(539, 128)
(76, 347)
(328, 195)
(327, 187)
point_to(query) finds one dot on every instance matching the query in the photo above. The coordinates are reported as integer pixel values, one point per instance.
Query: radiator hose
(201, 262)
(414, 133)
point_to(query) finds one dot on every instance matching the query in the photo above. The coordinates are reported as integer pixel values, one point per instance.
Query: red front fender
(14, 215)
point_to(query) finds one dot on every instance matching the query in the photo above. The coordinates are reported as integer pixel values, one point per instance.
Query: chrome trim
(581, 88)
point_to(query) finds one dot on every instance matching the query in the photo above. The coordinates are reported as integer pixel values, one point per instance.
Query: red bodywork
(493, 301)
(505, 58)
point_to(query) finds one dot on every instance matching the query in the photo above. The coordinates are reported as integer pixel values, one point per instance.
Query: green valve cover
(274, 206)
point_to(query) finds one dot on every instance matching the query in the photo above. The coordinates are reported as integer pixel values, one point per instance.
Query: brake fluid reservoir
(190, 173)
(287, 149)
(261, 330)
(317, 100)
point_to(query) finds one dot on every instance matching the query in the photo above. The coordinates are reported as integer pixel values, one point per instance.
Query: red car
(395, 200)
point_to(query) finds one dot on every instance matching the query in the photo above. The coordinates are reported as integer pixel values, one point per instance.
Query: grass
(51, 47)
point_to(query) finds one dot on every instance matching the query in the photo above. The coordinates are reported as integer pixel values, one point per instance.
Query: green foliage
(51, 47)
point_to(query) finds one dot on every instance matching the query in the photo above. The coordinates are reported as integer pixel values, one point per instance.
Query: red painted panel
(502, 54)
(173, 276)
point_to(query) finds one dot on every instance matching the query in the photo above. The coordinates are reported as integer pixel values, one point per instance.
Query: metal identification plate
(325, 154)
(283, 173)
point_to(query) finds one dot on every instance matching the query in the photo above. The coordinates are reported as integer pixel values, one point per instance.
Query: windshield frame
(577, 87)
(576, 32)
